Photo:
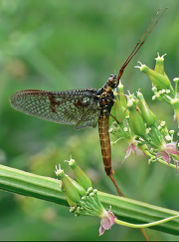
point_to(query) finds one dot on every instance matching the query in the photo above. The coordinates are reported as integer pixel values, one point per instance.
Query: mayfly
(81, 107)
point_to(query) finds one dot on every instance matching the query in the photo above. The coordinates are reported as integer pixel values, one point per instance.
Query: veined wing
(77, 107)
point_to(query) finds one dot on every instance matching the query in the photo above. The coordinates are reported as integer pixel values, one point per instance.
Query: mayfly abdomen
(103, 125)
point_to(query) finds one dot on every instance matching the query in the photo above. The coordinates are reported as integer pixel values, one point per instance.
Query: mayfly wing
(77, 107)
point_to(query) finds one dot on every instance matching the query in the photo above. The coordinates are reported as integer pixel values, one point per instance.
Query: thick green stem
(31, 185)
(48, 189)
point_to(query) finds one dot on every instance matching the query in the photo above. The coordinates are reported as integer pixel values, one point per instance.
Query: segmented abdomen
(103, 125)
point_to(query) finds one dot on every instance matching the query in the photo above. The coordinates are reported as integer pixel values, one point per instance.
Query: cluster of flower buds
(138, 125)
(162, 87)
(82, 198)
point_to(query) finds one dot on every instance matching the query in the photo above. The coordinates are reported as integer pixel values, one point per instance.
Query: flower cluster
(82, 198)
(138, 124)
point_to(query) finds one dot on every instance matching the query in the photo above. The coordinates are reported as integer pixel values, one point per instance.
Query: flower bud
(80, 175)
(175, 104)
(176, 79)
(163, 128)
(122, 95)
(81, 189)
(135, 119)
(159, 66)
(69, 201)
(70, 189)
(119, 108)
(161, 81)
(147, 115)
(117, 111)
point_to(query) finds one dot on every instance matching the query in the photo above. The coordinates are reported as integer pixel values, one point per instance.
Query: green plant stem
(48, 189)
(139, 226)
(28, 184)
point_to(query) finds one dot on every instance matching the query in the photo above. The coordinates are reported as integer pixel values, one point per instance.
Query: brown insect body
(103, 123)
(106, 101)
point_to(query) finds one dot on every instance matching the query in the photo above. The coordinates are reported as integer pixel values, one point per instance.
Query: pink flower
(129, 149)
(107, 220)
(168, 149)
(132, 148)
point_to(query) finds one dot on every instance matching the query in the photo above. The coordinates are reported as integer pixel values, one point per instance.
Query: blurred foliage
(58, 45)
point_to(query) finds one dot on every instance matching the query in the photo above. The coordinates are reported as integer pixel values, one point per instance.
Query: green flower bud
(175, 104)
(161, 81)
(135, 119)
(122, 95)
(70, 202)
(81, 189)
(176, 79)
(163, 129)
(147, 115)
(69, 188)
(118, 111)
(119, 108)
(115, 111)
(159, 66)
(80, 175)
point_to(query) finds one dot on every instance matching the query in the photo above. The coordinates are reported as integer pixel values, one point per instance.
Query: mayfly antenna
(139, 44)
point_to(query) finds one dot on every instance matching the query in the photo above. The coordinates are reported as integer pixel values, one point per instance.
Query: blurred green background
(59, 45)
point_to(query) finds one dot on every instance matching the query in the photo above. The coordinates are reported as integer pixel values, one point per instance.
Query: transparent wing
(77, 107)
